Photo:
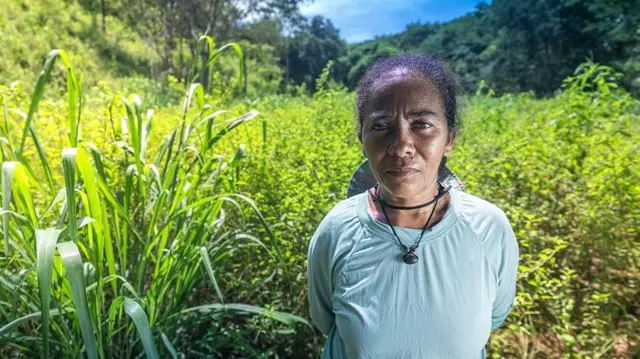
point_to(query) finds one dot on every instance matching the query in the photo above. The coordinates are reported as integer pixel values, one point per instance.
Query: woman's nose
(401, 142)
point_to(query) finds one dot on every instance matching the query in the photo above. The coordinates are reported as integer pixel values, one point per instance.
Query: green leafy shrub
(564, 169)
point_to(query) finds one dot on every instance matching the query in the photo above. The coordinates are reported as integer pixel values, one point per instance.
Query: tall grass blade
(24, 319)
(146, 130)
(197, 91)
(263, 221)
(97, 159)
(5, 128)
(116, 305)
(207, 264)
(213, 57)
(235, 123)
(43, 158)
(21, 194)
(211, 45)
(59, 196)
(69, 169)
(45, 248)
(282, 317)
(8, 168)
(97, 211)
(170, 347)
(137, 314)
(39, 149)
(74, 101)
(75, 274)
(242, 76)
(38, 91)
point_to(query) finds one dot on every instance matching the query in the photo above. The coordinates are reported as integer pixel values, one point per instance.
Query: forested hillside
(512, 46)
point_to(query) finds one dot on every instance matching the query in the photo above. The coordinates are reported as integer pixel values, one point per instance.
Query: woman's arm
(506, 267)
(319, 273)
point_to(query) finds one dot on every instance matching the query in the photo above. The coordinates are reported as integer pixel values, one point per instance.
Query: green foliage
(564, 171)
(30, 28)
(562, 168)
(157, 202)
(139, 225)
(519, 46)
(306, 54)
(264, 74)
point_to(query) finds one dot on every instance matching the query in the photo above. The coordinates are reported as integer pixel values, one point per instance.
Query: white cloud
(364, 19)
(360, 20)
(354, 7)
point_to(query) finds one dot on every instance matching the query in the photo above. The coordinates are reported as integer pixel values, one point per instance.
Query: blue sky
(360, 20)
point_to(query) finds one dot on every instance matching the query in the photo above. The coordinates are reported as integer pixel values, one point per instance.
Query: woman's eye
(379, 127)
(421, 124)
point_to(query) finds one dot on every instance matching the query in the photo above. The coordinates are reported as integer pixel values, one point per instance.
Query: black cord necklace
(409, 256)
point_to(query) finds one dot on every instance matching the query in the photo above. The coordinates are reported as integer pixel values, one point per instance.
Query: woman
(410, 268)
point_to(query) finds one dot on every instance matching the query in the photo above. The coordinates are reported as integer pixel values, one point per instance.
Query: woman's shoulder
(342, 213)
(341, 223)
(484, 217)
(337, 233)
(472, 205)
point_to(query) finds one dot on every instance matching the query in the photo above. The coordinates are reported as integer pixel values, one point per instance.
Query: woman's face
(405, 135)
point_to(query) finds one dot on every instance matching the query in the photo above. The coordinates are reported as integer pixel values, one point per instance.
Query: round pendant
(410, 258)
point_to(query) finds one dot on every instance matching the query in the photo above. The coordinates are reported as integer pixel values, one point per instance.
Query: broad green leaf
(96, 209)
(197, 91)
(21, 194)
(45, 249)
(137, 314)
(75, 274)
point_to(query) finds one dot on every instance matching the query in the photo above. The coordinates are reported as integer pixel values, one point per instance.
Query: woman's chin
(404, 189)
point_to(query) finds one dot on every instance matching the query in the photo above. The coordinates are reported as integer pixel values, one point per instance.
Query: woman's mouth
(402, 172)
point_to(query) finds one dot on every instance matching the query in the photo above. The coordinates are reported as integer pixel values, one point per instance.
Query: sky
(360, 20)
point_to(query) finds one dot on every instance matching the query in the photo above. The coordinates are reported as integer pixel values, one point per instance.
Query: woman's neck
(409, 218)
(425, 199)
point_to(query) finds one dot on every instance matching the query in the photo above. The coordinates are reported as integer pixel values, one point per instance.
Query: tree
(311, 47)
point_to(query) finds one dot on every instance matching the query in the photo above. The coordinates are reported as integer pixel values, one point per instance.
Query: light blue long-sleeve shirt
(372, 305)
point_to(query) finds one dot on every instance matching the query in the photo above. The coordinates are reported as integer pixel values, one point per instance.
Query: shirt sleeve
(319, 273)
(506, 261)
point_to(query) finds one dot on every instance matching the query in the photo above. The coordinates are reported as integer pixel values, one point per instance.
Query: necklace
(409, 255)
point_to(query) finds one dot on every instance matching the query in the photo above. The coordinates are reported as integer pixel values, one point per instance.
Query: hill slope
(29, 29)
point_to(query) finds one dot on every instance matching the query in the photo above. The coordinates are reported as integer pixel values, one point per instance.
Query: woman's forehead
(403, 85)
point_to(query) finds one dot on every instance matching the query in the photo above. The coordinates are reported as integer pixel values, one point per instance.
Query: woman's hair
(431, 67)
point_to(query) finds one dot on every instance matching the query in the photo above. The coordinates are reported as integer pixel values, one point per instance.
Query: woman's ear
(361, 144)
(451, 140)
